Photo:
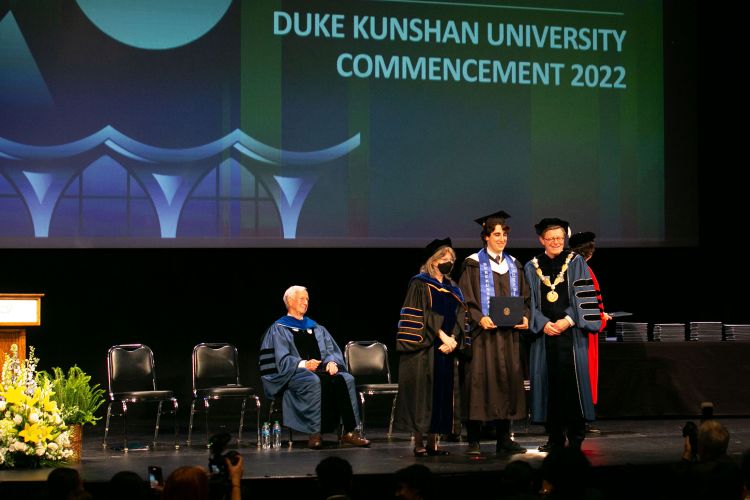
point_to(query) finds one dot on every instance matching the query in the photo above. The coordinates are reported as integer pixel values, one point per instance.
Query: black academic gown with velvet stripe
(428, 392)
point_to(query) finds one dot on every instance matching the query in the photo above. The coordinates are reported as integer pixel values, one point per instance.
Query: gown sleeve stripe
(267, 362)
(410, 325)
(409, 337)
(411, 311)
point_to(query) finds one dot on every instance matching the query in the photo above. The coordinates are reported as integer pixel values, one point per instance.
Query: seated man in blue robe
(300, 361)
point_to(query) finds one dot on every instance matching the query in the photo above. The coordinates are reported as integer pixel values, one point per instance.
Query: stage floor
(619, 445)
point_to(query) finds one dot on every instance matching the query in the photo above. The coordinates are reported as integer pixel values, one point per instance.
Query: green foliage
(75, 395)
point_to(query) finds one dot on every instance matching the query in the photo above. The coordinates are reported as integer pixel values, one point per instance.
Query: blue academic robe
(299, 387)
(584, 311)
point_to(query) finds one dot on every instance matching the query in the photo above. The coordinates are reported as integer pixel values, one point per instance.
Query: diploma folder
(619, 314)
(506, 311)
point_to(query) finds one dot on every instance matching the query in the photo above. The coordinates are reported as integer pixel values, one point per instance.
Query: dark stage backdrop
(326, 123)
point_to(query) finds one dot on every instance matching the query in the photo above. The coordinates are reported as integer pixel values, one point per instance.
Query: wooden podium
(18, 310)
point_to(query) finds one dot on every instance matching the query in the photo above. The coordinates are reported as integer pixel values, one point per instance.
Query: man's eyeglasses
(555, 238)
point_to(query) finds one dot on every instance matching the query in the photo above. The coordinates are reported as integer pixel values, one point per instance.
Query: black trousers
(564, 412)
(336, 406)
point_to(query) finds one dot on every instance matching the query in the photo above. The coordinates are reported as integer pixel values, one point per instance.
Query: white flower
(52, 446)
(3, 404)
(20, 446)
(63, 439)
(58, 420)
(17, 419)
(34, 418)
(40, 451)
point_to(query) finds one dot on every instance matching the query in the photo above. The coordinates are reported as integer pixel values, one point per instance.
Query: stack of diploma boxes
(710, 331)
(669, 332)
(631, 332)
(706, 331)
(737, 332)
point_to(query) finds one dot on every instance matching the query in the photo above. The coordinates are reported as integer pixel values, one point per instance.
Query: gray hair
(291, 292)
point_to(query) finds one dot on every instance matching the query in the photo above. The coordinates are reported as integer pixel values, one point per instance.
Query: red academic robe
(594, 341)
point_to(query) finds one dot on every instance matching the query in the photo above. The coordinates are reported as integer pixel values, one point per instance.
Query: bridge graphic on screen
(168, 176)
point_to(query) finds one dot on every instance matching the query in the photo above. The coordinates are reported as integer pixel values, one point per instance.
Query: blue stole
(487, 284)
(303, 324)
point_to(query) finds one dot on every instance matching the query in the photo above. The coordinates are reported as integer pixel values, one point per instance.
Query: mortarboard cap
(579, 239)
(500, 216)
(430, 249)
(550, 222)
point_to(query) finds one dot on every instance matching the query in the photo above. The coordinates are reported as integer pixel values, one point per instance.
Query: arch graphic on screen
(41, 174)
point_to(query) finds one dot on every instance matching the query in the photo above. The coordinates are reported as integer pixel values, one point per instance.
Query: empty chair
(216, 375)
(367, 361)
(131, 379)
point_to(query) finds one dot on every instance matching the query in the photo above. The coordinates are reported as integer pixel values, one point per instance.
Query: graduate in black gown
(492, 388)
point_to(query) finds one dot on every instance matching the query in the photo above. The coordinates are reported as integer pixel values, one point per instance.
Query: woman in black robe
(430, 329)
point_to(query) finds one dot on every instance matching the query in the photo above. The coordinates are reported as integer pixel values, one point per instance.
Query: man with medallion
(564, 309)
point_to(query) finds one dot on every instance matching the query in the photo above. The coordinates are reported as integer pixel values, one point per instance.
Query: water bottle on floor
(276, 433)
(265, 436)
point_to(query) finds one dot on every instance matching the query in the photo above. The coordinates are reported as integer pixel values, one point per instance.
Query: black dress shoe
(473, 449)
(548, 447)
(437, 452)
(509, 447)
(590, 429)
(420, 452)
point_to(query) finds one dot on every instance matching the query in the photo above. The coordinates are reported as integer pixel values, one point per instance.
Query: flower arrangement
(32, 430)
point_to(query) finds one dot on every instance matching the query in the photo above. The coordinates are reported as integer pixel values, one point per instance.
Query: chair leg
(362, 416)
(190, 426)
(393, 412)
(106, 425)
(176, 427)
(156, 428)
(257, 417)
(271, 410)
(125, 427)
(206, 404)
(242, 421)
